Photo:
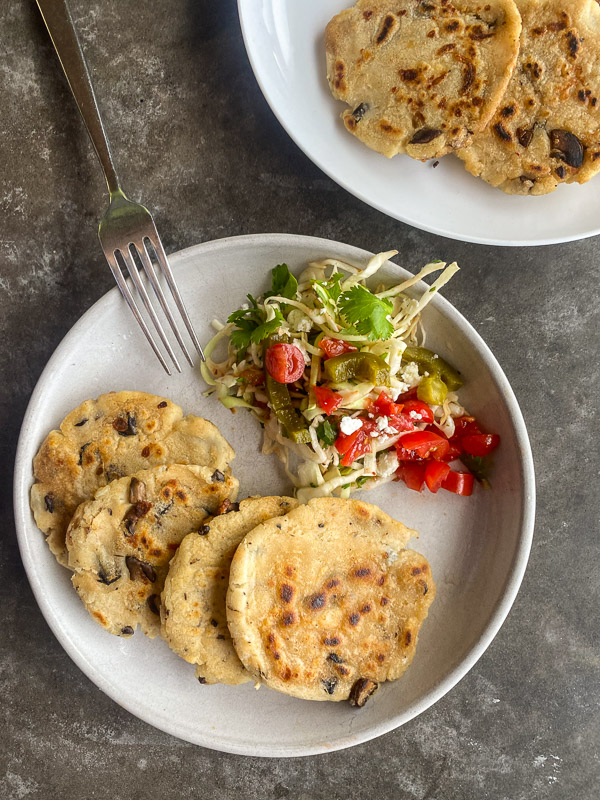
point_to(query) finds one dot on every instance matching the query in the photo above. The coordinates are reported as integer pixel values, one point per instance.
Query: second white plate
(285, 44)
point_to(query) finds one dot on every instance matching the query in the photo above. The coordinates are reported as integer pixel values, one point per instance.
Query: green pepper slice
(281, 403)
(366, 366)
(432, 390)
(428, 361)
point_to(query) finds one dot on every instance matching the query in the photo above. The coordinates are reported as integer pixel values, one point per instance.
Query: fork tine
(166, 270)
(149, 270)
(139, 285)
(126, 292)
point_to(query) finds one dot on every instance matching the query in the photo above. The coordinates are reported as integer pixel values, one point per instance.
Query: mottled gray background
(195, 138)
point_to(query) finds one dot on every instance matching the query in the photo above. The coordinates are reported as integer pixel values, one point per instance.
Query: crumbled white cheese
(415, 415)
(387, 463)
(382, 423)
(410, 374)
(398, 388)
(388, 429)
(349, 425)
(298, 321)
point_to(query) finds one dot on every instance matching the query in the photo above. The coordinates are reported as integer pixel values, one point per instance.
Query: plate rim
(22, 514)
(356, 192)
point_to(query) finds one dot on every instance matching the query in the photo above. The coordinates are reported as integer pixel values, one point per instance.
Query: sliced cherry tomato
(410, 395)
(412, 474)
(284, 362)
(459, 483)
(327, 399)
(335, 347)
(384, 406)
(480, 444)
(435, 474)
(419, 408)
(464, 426)
(422, 444)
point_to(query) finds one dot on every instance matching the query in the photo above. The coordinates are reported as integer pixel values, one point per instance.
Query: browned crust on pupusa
(193, 608)
(546, 130)
(325, 596)
(120, 546)
(115, 435)
(420, 77)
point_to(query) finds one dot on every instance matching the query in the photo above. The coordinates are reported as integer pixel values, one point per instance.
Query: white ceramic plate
(478, 546)
(285, 44)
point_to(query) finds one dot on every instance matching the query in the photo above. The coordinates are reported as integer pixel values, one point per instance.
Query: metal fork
(127, 231)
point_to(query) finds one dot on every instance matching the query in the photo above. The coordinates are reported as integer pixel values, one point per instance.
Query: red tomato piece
(464, 426)
(480, 444)
(454, 450)
(345, 441)
(327, 399)
(412, 474)
(401, 423)
(420, 408)
(422, 444)
(354, 445)
(335, 347)
(381, 405)
(459, 483)
(284, 362)
(435, 474)
(384, 406)
(359, 447)
(410, 395)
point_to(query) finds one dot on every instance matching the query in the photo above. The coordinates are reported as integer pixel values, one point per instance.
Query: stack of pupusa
(125, 478)
(319, 601)
(512, 88)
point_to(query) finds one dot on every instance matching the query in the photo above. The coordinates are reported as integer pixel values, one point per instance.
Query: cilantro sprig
(367, 313)
(251, 325)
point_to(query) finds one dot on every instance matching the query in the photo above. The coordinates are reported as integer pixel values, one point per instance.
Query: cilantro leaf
(283, 282)
(367, 312)
(240, 336)
(327, 432)
(333, 284)
(267, 328)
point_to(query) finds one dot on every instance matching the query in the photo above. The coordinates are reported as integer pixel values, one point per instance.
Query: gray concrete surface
(195, 138)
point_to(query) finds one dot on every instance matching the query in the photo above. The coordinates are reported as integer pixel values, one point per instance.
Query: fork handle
(60, 26)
